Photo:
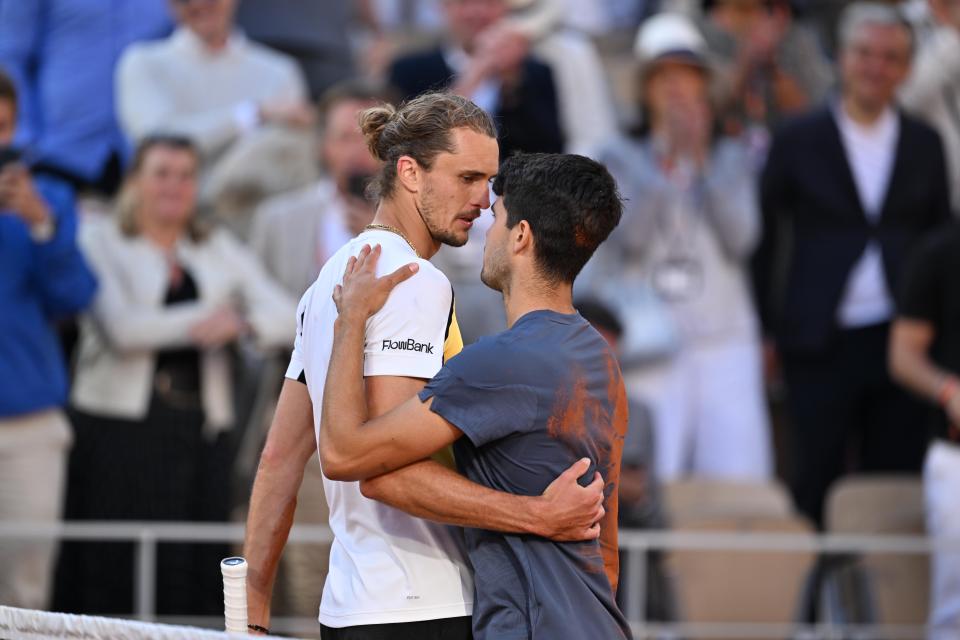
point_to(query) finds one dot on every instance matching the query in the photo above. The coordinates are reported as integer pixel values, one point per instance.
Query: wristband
(258, 628)
(948, 390)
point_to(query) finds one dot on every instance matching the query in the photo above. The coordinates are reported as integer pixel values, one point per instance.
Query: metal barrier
(146, 536)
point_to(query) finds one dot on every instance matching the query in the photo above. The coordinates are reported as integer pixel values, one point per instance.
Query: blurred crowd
(174, 173)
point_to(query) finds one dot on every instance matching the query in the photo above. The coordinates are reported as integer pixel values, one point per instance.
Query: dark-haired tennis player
(519, 407)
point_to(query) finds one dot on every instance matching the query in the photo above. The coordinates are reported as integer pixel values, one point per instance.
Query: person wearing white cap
(690, 224)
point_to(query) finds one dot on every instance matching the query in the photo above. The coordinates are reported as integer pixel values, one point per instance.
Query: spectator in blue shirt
(62, 54)
(42, 277)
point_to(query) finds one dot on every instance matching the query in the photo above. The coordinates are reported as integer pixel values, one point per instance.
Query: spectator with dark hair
(768, 65)
(518, 408)
(152, 396)
(295, 233)
(43, 278)
(243, 105)
(846, 193)
(515, 89)
(584, 99)
(680, 257)
(925, 358)
(62, 55)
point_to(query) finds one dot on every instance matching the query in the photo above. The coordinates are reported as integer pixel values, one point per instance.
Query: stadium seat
(741, 586)
(877, 588)
(696, 499)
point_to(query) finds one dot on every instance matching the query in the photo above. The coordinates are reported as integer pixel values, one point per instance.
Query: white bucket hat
(670, 36)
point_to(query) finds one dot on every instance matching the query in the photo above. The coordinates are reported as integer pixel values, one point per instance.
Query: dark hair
(420, 129)
(8, 90)
(127, 202)
(600, 316)
(570, 202)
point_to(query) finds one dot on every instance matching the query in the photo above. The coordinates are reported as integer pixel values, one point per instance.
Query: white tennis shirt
(385, 566)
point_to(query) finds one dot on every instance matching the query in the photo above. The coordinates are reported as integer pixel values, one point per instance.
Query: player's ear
(522, 237)
(409, 173)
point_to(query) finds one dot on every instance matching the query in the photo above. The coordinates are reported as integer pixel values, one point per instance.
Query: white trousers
(33, 461)
(709, 412)
(941, 480)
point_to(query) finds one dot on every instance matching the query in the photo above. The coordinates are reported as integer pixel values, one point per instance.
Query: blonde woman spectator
(153, 381)
(244, 105)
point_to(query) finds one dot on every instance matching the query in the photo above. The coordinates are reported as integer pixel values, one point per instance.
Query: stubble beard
(494, 272)
(428, 213)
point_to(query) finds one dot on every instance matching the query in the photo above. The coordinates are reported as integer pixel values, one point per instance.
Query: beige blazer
(129, 323)
(287, 231)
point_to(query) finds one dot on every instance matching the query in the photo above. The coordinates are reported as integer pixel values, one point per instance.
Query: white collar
(884, 125)
(185, 39)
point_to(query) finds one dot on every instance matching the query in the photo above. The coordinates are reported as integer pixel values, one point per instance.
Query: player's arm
(355, 448)
(427, 489)
(910, 362)
(290, 443)
(351, 446)
(566, 511)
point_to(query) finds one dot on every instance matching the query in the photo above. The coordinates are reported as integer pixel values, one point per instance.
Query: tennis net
(28, 624)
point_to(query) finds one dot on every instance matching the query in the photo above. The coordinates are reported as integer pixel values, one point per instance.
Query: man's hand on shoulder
(362, 293)
(569, 512)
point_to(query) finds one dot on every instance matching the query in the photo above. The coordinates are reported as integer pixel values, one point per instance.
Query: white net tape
(27, 624)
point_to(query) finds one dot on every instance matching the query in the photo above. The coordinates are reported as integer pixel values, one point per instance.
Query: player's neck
(521, 299)
(404, 217)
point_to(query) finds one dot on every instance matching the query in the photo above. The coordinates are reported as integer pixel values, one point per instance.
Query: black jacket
(527, 115)
(815, 228)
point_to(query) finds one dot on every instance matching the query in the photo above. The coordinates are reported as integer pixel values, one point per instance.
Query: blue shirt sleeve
(64, 281)
(21, 28)
(484, 411)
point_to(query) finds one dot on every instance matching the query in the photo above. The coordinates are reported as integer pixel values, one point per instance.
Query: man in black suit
(846, 192)
(497, 75)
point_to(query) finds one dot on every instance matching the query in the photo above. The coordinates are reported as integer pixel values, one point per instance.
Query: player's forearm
(434, 492)
(913, 368)
(272, 506)
(344, 402)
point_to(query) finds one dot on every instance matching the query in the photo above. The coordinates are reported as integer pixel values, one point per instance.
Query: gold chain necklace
(385, 227)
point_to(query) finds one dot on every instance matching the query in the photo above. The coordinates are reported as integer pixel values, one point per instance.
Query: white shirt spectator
(870, 152)
(129, 324)
(179, 86)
